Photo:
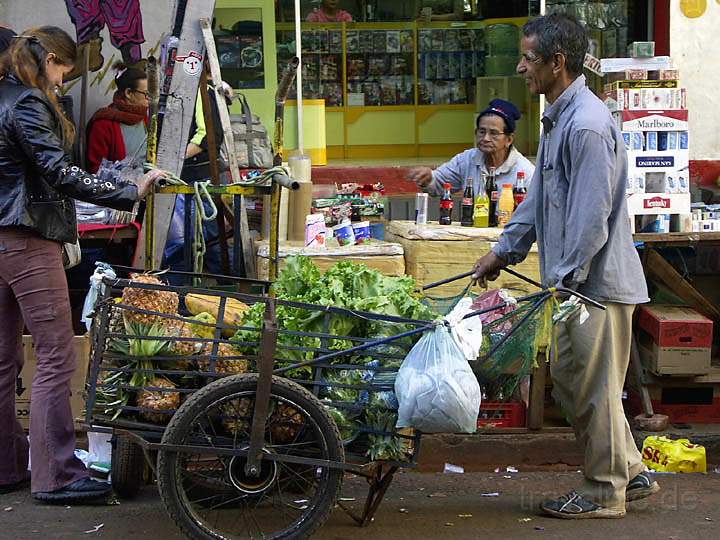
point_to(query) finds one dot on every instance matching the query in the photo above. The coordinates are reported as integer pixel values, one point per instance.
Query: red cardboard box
(676, 326)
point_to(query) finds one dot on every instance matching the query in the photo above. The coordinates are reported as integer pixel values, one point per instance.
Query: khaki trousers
(588, 374)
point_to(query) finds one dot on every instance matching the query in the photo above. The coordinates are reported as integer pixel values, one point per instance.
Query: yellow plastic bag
(667, 455)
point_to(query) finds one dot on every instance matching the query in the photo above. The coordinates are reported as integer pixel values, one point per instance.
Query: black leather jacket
(37, 179)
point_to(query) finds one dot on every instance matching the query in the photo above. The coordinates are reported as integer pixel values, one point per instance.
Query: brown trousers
(588, 376)
(33, 289)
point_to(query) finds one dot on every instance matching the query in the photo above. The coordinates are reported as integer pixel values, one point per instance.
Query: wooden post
(214, 169)
(83, 106)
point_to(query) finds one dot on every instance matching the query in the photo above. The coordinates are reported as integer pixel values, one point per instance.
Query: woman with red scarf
(120, 130)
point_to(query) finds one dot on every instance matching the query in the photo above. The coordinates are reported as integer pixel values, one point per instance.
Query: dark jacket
(37, 179)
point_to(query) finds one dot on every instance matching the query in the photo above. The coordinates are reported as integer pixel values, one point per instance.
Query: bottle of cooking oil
(481, 211)
(506, 205)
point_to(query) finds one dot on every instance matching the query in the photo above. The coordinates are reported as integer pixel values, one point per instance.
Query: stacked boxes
(652, 114)
(675, 340)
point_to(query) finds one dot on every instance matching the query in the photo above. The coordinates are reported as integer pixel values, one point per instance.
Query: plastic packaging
(436, 389)
(344, 234)
(361, 230)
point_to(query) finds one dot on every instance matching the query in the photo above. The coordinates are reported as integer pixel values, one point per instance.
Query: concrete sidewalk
(417, 507)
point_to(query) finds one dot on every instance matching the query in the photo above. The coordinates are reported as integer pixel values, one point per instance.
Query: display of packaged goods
(379, 40)
(333, 94)
(377, 65)
(334, 41)
(437, 39)
(609, 43)
(454, 63)
(651, 140)
(392, 44)
(466, 40)
(372, 93)
(626, 135)
(425, 40)
(639, 99)
(642, 49)
(352, 41)
(366, 41)
(669, 74)
(388, 91)
(399, 65)
(329, 67)
(357, 68)
(640, 83)
(451, 41)
(653, 120)
(407, 43)
(311, 67)
(636, 75)
(443, 66)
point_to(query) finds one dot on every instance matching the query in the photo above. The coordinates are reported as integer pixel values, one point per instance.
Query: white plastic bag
(96, 290)
(436, 389)
(467, 333)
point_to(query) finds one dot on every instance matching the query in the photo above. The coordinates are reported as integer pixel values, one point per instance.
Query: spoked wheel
(210, 496)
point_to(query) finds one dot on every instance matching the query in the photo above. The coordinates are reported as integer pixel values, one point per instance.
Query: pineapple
(231, 366)
(174, 328)
(237, 415)
(158, 401)
(150, 300)
(285, 423)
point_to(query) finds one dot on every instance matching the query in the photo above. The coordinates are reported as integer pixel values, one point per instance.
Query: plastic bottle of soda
(493, 194)
(506, 205)
(520, 189)
(446, 206)
(468, 205)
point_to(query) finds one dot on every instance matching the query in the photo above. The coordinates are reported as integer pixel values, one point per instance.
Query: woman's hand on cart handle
(149, 179)
(487, 268)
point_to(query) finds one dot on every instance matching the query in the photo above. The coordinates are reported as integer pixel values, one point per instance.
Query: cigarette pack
(651, 141)
(637, 143)
(684, 143)
(642, 49)
(669, 74)
(636, 74)
(672, 140)
(626, 139)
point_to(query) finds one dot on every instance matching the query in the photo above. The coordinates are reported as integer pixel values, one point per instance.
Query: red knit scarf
(122, 111)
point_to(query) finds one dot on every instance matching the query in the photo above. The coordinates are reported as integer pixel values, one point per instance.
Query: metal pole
(298, 53)
(543, 10)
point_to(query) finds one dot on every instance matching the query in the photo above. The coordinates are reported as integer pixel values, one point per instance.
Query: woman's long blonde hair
(26, 59)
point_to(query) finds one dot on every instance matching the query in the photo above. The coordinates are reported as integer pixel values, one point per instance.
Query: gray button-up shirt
(576, 205)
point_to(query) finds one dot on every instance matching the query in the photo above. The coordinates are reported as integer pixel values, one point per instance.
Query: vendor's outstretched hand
(422, 176)
(146, 183)
(487, 268)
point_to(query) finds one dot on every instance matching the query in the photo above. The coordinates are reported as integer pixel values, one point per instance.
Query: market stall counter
(385, 257)
(433, 252)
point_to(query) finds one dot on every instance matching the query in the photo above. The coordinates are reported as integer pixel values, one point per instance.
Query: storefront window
(239, 42)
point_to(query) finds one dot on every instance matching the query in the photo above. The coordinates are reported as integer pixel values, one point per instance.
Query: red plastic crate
(502, 415)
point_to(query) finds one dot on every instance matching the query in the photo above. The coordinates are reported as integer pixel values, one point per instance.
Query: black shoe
(82, 490)
(640, 487)
(574, 506)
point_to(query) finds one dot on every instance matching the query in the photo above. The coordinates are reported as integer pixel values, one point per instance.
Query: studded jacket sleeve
(35, 125)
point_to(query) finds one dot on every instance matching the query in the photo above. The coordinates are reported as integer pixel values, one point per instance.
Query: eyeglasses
(494, 133)
(146, 95)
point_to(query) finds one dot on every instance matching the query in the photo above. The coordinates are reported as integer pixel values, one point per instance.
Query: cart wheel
(209, 495)
(127, 467)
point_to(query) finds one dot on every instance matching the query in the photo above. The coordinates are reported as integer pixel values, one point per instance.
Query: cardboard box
(77, 383)
(676, 326)
(652, 120)
(647, 204)
(639, 99)
(639, 83)
(642, 49)
(685, 361)
(668, 74)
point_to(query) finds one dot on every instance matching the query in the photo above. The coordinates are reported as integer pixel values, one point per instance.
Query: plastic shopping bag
(436, 389)
(667, 455)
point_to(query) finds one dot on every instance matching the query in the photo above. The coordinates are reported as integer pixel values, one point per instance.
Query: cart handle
(562, 290)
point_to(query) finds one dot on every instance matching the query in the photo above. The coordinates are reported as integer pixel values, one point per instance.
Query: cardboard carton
(676, 326)
(77, 383)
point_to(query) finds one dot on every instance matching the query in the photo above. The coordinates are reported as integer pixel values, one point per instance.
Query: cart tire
(127, 468)
(173, 471)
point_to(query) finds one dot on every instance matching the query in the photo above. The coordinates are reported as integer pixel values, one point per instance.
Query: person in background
(37, 215)
(328, 12)
(120, 130)
(577, 213)
(494, 137)
(440, 10)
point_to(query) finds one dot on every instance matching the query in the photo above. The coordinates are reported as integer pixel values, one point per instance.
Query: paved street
(418, 506)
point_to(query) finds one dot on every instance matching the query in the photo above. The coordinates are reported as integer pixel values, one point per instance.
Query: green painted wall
(383, 127)
(262, 101)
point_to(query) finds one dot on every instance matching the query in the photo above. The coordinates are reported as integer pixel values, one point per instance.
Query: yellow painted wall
(314, 124)
(447, 127)
(335, 128)
(382, 127)
(262, 101)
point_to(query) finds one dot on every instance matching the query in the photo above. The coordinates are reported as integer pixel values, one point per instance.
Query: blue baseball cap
(505, 110)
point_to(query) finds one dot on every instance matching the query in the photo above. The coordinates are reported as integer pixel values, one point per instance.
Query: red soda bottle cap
(446, 186)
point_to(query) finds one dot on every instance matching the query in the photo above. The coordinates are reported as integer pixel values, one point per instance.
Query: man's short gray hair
(560, 33)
